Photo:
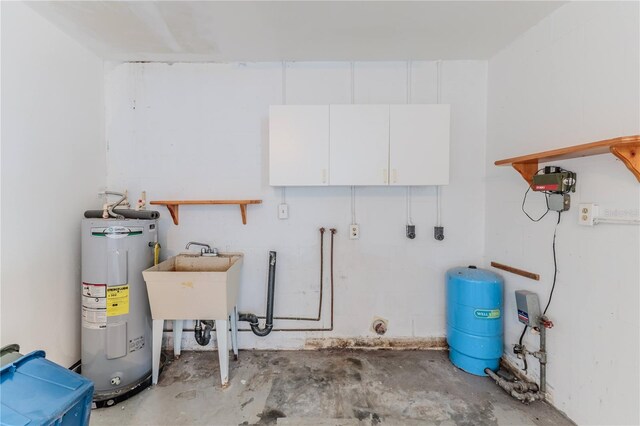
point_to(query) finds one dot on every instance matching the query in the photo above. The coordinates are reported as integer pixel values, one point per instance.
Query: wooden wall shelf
(173, 205)
(516, 271)
(626, 148)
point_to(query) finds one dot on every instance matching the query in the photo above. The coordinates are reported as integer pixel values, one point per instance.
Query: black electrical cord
(524, 200)
(553, 285)
(555, 265)
(555, 260)
(524, 330)
(522, 335)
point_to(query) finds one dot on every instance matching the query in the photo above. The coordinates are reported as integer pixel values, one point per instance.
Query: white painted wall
(572, 79)
(53, 163)
(200, 131)
(194, 131)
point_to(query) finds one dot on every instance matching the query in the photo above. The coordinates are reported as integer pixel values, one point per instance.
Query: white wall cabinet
(372, 145)
(299, 145)
(359, 145)
(419, 144)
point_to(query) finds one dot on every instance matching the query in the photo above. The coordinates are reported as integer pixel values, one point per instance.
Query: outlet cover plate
(587, 212)
(354, 231)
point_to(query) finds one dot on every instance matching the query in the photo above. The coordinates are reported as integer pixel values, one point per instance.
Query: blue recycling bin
(36, 391)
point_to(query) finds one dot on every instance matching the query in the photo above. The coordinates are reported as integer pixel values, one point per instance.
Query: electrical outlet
(354, 231)
(587, 214)
(283, 211)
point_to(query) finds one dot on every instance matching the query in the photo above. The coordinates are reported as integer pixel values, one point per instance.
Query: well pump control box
(554, 179)
(528, 306)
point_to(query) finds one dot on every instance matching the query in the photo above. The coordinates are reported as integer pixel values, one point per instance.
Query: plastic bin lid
(38, 391)
(472, 273)
(12, 366)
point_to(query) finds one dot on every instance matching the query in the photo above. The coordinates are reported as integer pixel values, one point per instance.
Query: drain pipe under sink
(203, 334)
(252, 319)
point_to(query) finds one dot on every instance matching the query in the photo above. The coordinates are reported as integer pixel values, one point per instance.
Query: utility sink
(187, 287)
(194, 287)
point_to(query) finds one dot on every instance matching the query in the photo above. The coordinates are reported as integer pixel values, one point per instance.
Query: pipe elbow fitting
(261, 332)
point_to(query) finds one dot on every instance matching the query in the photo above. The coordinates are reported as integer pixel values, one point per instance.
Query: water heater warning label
(94, 290)
(94, 306)
(94, 318)
(117, 300)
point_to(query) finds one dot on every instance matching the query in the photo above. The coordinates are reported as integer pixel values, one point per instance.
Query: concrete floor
(328, 387)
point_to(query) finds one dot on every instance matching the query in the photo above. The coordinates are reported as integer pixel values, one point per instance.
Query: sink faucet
(206, 249)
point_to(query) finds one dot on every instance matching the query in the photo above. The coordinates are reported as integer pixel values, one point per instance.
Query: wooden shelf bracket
(173, 206)
(173, 210)
(526, 170)
(243, 212)
(629, 154)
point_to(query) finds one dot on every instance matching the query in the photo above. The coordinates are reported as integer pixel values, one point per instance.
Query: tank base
(109, 399)
(472, 365)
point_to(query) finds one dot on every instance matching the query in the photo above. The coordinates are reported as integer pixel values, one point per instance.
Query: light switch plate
(283, 211)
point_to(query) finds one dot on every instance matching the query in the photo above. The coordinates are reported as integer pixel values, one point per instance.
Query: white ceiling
(230, 31)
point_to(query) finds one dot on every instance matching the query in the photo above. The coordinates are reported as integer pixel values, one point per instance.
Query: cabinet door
(298, 145)
(419, 144)
(359, 145)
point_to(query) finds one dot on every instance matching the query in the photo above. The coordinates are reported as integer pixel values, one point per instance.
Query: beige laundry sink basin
(194, 286)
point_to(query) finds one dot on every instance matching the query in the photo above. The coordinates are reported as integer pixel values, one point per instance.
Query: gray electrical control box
(528, 306)
(559, 202)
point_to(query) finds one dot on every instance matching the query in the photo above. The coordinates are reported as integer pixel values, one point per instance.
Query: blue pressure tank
(474, 319)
